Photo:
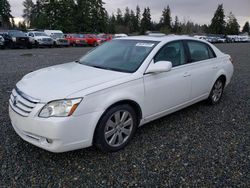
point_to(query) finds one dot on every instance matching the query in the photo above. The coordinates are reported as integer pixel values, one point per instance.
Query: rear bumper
(55, 134)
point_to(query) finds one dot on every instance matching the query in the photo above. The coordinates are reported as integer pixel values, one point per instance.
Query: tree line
(91, 17)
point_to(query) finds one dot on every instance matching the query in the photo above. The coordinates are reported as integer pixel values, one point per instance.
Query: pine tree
(5, 14)
(27, 11)
(119, 17)
(133, 22)
(38, 16)
(138, 18)
(246, 28)
(146, 24)
(232, 27)
(176, 26)
(111, 24)
(218, 22)
(166, 20)
(66, 13)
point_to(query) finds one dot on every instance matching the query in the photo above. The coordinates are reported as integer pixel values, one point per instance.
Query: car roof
(166, 38)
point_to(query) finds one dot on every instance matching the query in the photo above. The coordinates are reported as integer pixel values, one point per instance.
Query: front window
(119, 55)
(40, 34)
(173, 52)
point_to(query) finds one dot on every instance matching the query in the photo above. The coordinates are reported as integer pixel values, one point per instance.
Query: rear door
(203, 66)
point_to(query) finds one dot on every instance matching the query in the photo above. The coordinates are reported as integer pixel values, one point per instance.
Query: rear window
(199, 51)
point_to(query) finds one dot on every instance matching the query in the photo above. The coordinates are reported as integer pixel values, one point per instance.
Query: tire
(216, 92)
(29, 46)
(116, 128)
(36, 44)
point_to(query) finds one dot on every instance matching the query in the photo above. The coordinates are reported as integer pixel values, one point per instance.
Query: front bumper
(45, 43)
(55, 134)
(62, 43)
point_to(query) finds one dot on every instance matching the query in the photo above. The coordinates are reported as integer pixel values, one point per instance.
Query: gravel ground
(199, 146)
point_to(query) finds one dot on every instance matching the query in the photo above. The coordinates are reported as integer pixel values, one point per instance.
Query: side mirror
(160, 66)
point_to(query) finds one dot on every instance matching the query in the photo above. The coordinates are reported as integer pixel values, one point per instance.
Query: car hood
(58, 82)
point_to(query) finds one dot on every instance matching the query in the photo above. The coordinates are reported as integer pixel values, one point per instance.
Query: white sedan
(105, 96)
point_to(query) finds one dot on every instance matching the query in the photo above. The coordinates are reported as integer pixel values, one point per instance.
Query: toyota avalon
(102, 98)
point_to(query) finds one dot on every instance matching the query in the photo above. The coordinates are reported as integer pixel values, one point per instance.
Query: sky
(198, 11)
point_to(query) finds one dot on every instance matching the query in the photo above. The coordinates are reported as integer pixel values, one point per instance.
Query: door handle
(186, 74)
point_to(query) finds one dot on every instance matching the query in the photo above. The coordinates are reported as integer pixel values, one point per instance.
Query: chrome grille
(22, 103)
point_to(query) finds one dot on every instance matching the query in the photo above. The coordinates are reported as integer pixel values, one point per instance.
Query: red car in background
(76, 40)
(106, 37)
(91, 39)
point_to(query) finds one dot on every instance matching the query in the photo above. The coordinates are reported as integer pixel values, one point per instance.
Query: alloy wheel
(217, 91)
(118, 128)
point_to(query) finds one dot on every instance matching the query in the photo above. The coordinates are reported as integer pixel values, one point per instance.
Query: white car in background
(58, 37)
(40, 39)
(105, 96)
(120, 35)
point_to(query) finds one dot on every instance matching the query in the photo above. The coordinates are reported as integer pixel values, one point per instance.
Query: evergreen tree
(246, 28)
(119, 17)
(98, 17)
(133, 22)
(127, 16)
(28, 11)
(5, 14)
(66, 13)
(166, 20)
(138, 18)
(146, 24)
(38, 16)
(218, 22)
(232, 27)
(22, 26)
(176, 26)
(111, 24)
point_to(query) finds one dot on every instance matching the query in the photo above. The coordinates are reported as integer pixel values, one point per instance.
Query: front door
(167, 90)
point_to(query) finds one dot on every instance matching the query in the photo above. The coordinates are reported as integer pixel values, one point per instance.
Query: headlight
(14, 39)
(60, 108)
(39, 39)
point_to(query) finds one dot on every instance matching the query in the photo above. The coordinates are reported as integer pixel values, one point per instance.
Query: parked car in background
(76, 40)
(2, 42)
(105, 96)
(58, 37)
(16, 39)
(41, 39)
(105, 37)
(121, 35)
(92, 40)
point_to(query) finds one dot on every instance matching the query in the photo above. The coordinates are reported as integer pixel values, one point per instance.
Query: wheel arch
(223, 78)
(130, 102)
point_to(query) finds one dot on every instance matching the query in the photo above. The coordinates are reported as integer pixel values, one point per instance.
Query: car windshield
(119, 55)
(40, 34)
(57, 35)
(17, 34)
